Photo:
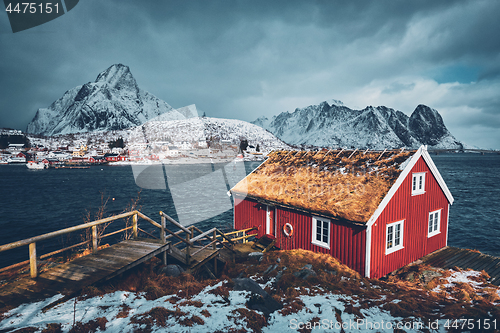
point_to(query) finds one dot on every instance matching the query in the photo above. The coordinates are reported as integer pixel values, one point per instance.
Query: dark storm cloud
(243, 59)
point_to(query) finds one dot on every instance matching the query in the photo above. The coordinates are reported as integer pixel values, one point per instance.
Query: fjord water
(35, 202)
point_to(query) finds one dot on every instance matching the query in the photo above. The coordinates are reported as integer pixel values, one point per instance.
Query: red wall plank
(347, 241)
(248, 214)
(415, 211)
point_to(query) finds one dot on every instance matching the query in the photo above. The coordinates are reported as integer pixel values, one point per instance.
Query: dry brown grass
(91, 326)
(143, 278)
(125, 309)
(405, 294)
(191, 321)
(159, 316)
(347, 188)
(156, 316)
(25, 330)
(314, 323)
(53, 328)
(460, 300)
(197, 304)
(254, 320)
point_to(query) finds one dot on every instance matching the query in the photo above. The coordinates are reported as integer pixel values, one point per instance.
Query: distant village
(71, 150)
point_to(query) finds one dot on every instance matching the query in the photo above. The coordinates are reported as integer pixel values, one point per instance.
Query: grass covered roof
(344, 184)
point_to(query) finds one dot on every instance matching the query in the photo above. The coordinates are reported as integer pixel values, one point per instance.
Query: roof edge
(260, 165)
(421, 152)
(304, 210)
(437, 175)
(395, 186)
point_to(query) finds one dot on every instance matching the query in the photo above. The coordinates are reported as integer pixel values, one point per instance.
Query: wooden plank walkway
(451, 257)
(71, 277)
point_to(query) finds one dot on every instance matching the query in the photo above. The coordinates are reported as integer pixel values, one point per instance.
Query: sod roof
(348, 185)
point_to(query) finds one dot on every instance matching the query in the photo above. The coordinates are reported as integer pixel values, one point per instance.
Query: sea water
(35, 202)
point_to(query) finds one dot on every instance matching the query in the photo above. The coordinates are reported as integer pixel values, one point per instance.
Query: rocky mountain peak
(117, 76)
(427, 125)
(112, 102)
(334, 102)
(332, 124)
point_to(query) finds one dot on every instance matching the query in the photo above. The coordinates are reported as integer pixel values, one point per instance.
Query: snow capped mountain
(190, 130)
(332, 124)
(113, 102)
(203, 128)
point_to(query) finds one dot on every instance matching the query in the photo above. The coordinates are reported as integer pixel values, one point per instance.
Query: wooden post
(162, 230)
(188, 254)
(244, 234)
(164, 258)
(33, 265)
(134, 226)
(214, 246)
(94, 239)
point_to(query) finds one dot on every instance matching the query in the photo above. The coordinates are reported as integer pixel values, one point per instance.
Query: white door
(271, 220)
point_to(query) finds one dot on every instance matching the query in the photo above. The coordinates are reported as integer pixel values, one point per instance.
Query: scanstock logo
(25, 15)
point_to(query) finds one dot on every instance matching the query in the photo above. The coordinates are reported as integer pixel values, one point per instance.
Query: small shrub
(254, 320)
(125, 309)
(52, 328)
(206, 313)
(192, 321)
(91, 326)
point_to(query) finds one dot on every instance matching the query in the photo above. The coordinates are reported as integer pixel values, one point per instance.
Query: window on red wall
(394, 237)
(321, 232)
(418, 183)
(434, 223)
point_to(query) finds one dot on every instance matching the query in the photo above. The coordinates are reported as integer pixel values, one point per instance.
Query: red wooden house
(374, 211)
(112, 157)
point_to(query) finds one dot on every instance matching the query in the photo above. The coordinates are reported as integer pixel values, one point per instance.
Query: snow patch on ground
(217, 313)
(460, 277)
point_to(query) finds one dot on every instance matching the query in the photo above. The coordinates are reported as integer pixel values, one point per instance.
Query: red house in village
(374, 211)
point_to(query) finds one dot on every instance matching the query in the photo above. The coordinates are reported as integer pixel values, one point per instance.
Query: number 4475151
(33, 8)
(471, 324)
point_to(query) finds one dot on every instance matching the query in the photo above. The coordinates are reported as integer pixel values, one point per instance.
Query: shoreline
(183, 161)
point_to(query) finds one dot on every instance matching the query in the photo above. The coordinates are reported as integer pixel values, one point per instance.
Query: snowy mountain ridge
(112, 102)
(203, 128)
(332, 124)
(191, 130)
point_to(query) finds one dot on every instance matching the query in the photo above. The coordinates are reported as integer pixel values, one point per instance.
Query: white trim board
(368, 247)
(421, 152)
(437, 175)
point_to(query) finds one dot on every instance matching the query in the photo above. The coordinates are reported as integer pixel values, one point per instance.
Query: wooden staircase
(196, 251)
(264, 243)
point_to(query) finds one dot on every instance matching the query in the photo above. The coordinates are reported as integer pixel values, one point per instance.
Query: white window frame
(390, 236)
(418, 183)
(434, 223)
(314, 232)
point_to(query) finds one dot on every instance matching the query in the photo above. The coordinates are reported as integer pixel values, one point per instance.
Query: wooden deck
(451, 257)
(71, 277)
(104, 264)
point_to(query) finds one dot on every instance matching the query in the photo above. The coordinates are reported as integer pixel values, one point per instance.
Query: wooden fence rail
(244, 234)
(31, 242)
(192, 244)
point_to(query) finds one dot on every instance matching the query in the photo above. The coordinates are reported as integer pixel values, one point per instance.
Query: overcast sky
(246, 59)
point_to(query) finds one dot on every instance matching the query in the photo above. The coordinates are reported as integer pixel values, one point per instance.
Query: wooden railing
(190, 240)
(192, 244)
(31, 242)
(234, 235)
